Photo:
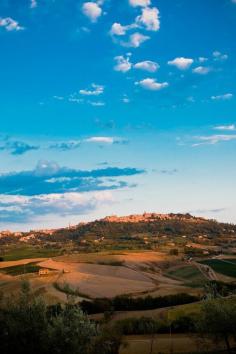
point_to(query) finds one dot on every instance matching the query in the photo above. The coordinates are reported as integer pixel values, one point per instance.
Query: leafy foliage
(217, 321)
(27, 326)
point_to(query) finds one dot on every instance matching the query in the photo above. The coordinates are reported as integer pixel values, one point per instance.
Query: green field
(21, 269)
(225, 267)
(190, 274)
(230, 260)
(24, 252)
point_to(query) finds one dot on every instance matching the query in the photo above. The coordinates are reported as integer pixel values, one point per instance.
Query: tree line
(128, 303)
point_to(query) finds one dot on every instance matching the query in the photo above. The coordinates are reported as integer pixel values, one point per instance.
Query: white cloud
(191, 99)
(95, 91)
(22, 208)
(96, 103)
(123, 64)
(149, 19)
(33, 4)
(10, 25)
(229, 127)
(147, 65)
(135, 40)
(142, 3)
(101, 139)
(59, 98)
(151, 84)
(125, 99)
(181, 63)
(202, 70)
(224, 97)
(219, 56)
(92, 10)
(213, 139)
(119, 30)
(105, 140)
(202, 59)
(74, 99)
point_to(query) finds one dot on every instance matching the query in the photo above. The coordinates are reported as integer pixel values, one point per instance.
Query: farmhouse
(44, 271)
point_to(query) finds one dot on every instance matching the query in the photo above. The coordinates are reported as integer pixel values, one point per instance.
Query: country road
(207, 271)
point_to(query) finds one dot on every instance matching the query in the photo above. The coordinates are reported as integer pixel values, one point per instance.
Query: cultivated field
(165, 344)
(108, 274)
(226, 267)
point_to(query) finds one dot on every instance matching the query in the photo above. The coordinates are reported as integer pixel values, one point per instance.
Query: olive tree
(217, 321)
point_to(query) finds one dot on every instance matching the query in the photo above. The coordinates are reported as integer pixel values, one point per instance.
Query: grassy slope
(189, 274)
(24, 252)
(21, 269)
(221, 266)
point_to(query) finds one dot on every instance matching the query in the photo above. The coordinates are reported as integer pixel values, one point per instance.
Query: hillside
(126, 226)
(152, 224)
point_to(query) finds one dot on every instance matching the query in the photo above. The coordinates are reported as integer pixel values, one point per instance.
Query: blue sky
(114, 107)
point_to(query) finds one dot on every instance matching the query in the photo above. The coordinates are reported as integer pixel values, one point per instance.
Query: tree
(28, 326)
(109, 341)
(23, 324)
(217, 321)
(71, 332)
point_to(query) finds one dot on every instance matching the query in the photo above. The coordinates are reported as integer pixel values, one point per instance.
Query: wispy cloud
(48, 177)
(10, 25)
(202, 59)
(33, 4)
(106, 140)
(125, 99)
(17, 209)
(202, 70)
(207, 211)
(66, 146)
(97, 103)
(230, 127)
(17, 147)
(95, 90)
(213, 139)
(59, 98)
(169, 172)
(219, 56)
(75, 144)
(224, 97)
(100, 139)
